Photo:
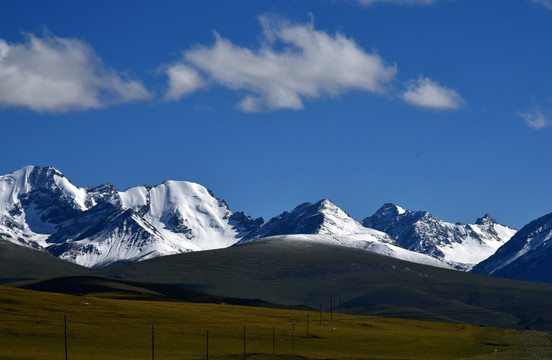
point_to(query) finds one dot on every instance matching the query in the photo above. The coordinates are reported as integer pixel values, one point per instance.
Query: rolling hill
(22, 263)
(295, 272)
(288, 272)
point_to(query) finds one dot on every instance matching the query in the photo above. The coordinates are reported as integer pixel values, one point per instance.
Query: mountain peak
(322, 217)
(487, 219)
(388, 211)
(325, 204)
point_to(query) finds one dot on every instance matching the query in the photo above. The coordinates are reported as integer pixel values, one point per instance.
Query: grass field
(32, 327)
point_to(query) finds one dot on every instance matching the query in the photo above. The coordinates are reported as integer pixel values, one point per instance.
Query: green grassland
(32, 327)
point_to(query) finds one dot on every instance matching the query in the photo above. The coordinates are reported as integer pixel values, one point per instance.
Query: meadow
(33, 328)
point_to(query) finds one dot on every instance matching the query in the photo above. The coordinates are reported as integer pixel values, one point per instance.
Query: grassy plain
(32, 328)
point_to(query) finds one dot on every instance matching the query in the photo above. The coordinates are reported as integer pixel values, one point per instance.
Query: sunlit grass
(32, 327)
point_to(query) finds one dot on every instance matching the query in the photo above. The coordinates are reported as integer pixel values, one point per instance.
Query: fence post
(273, 341)
(293, 337)
(207, 350)
(152, 343)
(65, 325)
(244, 343)
(320, 311)
(331, 308)
(307, 325)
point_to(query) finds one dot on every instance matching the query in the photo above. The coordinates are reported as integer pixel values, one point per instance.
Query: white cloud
(294, 62)
(402, 2)
(536, 118)
(183, 80)
(58, 74)
(545, 3)
(426, 93)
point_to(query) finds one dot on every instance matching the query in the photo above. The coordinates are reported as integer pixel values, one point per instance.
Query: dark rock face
(245, 224)
(485, 220)
(106, 193)
(416, 230)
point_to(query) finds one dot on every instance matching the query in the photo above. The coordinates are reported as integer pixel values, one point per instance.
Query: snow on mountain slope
(29, 178)
(106, 234)
(33, 201)
(368, 241)
(183, 213)
(41, 208)
(323, 217)
(526, 256)
(459, 245)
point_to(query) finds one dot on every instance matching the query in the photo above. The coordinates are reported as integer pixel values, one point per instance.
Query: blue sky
(442, 105)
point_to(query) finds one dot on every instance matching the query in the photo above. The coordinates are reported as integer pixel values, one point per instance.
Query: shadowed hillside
(20, 263)
(291, 272)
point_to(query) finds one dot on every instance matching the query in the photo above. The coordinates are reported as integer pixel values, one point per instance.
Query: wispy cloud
(426, 93)
(57, 74)
(536, 118)
(402, 2)
(295, 62)
(544, 3)
(183, 80)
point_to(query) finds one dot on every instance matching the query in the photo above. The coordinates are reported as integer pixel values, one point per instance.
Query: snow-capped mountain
(41, 208)
(325, 222)
(460, 245)
(98, 226)
(527, 256)
(323, 217)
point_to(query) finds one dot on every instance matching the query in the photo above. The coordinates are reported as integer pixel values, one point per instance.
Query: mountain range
(460, 245)
(100, 226)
